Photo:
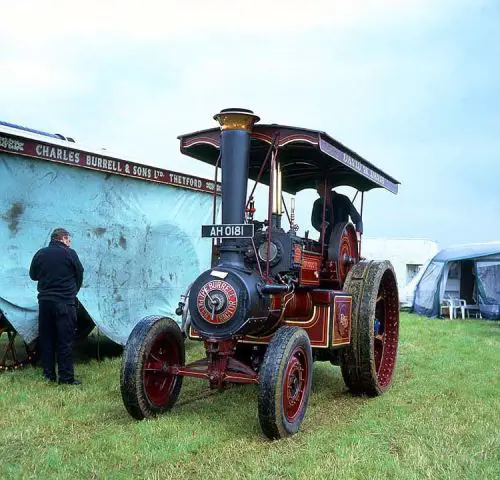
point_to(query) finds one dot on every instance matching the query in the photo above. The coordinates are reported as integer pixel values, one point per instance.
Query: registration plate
(243, 230)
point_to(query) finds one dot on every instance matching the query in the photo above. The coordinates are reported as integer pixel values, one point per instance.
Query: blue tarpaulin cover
(138, 241)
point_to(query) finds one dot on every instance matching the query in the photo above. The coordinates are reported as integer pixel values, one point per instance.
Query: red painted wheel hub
(295, 381)
(158, 383)
(348, 252)
(386, 338)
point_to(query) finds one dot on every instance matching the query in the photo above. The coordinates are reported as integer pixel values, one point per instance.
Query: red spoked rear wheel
(368, 362)
(386, 330)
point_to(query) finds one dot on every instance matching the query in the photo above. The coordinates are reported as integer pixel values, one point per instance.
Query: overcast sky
(413, 86)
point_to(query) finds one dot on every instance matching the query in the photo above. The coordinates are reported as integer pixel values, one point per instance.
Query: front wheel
(147, 387)
(285, 382)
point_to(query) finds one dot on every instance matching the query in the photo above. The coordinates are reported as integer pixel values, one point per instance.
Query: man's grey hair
(59, 234)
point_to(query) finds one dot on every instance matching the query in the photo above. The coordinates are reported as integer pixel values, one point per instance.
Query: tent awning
(461, 252)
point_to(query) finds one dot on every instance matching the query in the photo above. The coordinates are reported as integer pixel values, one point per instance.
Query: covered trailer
(135, 227)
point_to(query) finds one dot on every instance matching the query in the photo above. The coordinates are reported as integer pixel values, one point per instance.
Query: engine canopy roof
(305, 156)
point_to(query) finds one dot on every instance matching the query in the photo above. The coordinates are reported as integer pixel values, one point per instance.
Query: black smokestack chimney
(236, 126)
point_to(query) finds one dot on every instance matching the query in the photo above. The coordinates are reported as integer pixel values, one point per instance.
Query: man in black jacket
(59, 273)
(338, 210)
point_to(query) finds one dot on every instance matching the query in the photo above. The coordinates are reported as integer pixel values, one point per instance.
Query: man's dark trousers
(57, 324)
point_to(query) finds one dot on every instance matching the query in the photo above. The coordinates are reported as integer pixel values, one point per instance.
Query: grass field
(440, 419)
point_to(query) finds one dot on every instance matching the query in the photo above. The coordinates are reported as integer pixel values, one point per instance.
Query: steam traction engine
(272, 302)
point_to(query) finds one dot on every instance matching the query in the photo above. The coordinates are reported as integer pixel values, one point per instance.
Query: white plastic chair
(447, 304)
(453, 305)
(459, 303)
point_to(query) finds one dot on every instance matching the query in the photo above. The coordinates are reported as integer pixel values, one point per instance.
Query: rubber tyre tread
(357, 364)
(134, 357)
(271, 417)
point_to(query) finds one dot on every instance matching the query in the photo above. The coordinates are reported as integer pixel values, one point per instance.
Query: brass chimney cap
(236, 119)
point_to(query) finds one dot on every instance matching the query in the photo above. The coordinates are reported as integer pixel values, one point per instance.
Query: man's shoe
(50, 379)
(70, 382)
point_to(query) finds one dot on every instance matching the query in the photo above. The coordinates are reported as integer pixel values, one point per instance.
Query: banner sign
(80, 158)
